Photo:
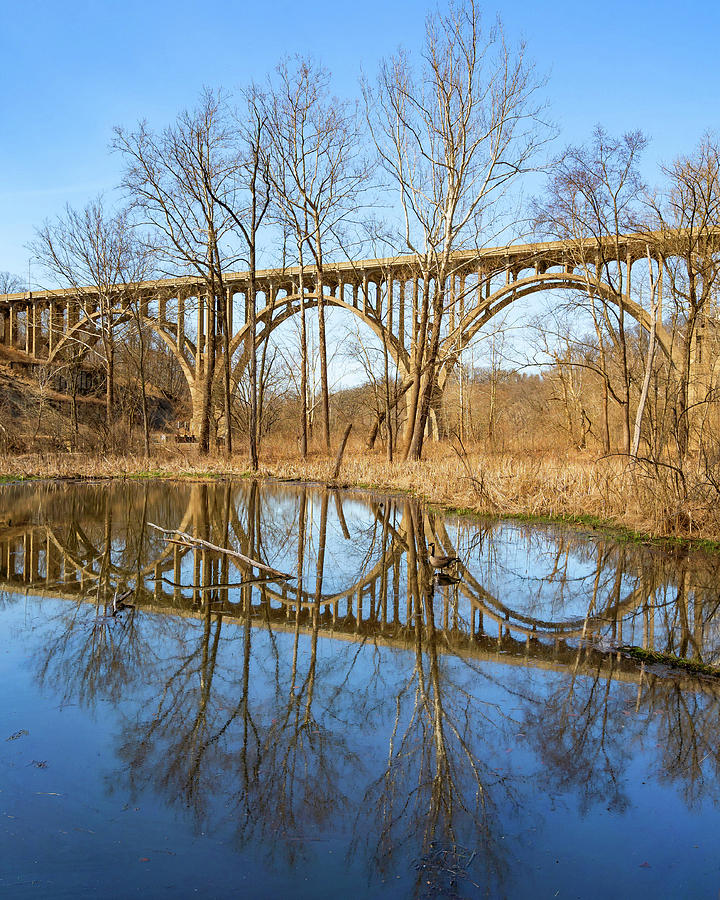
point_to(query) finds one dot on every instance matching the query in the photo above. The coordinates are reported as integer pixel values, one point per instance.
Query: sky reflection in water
(386, 736)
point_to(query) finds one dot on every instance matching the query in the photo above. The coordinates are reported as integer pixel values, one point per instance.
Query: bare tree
(686, 226)
(592, 202)
(175, 180)
(251, 172)
(11, 284)
(644, 391)
(316, 175)
(453, 137)
(97, 254)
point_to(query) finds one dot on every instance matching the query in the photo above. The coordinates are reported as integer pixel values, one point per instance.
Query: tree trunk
(341, 450)
(143, 392)
(109, 386)
(388, 417)
(428, 376)
(303, 363)
(254, 461)
(417, 358)
(208, 372)
(320, 287)
(227, 394)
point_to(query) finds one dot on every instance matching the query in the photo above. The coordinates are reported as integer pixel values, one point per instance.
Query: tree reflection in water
(364, 697)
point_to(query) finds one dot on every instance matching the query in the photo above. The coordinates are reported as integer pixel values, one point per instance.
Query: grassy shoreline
(601, 495)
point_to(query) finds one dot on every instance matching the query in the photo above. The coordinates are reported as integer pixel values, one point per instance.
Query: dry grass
(513, 484)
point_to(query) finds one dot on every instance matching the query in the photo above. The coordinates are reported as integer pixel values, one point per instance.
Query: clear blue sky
(72, 70)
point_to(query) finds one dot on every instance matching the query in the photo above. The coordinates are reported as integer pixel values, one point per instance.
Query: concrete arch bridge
(384, 294)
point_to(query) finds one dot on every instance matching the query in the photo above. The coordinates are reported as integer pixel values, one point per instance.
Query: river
(177, 722)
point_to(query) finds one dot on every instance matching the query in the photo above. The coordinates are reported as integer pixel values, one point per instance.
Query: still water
(172, 724)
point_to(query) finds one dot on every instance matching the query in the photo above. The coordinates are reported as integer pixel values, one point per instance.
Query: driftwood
(189, 541)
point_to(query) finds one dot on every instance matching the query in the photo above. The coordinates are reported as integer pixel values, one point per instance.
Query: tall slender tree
(317, 174)
(452, 135)
(685, 229)
(247, 207)
(593, 201)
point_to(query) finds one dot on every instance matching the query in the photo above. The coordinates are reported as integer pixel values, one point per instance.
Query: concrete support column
(57, 325)
(52, 562)
(229, 296)
(197, 555)
(401, 311)
(34, 314)
(408, 592)
(51, 337)
(628, 279)
(180, 325)
(34, 562)
(390, 299)
(452, 303)
(73, 313)
(68, 570)
(200, 335)
(415, 289)
(28, 329)
(177, 573)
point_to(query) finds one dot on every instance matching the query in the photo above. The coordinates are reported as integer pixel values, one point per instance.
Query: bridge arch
(514, 291)
(285, 308)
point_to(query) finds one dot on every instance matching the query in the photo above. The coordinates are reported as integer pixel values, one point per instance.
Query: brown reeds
(579, 487)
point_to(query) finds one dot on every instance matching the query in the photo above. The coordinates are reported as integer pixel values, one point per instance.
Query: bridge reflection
(399, 736)
(360, 569)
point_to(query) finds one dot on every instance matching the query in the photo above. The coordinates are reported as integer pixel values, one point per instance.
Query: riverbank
(603, 493)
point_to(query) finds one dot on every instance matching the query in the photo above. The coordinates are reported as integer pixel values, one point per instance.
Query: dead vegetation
(605, 491)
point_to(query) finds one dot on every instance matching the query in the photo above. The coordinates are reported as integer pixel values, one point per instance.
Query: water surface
(360, 727)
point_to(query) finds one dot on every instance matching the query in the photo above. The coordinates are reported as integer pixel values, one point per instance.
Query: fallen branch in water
(669, 659)
(221, 585)
(190, 541)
